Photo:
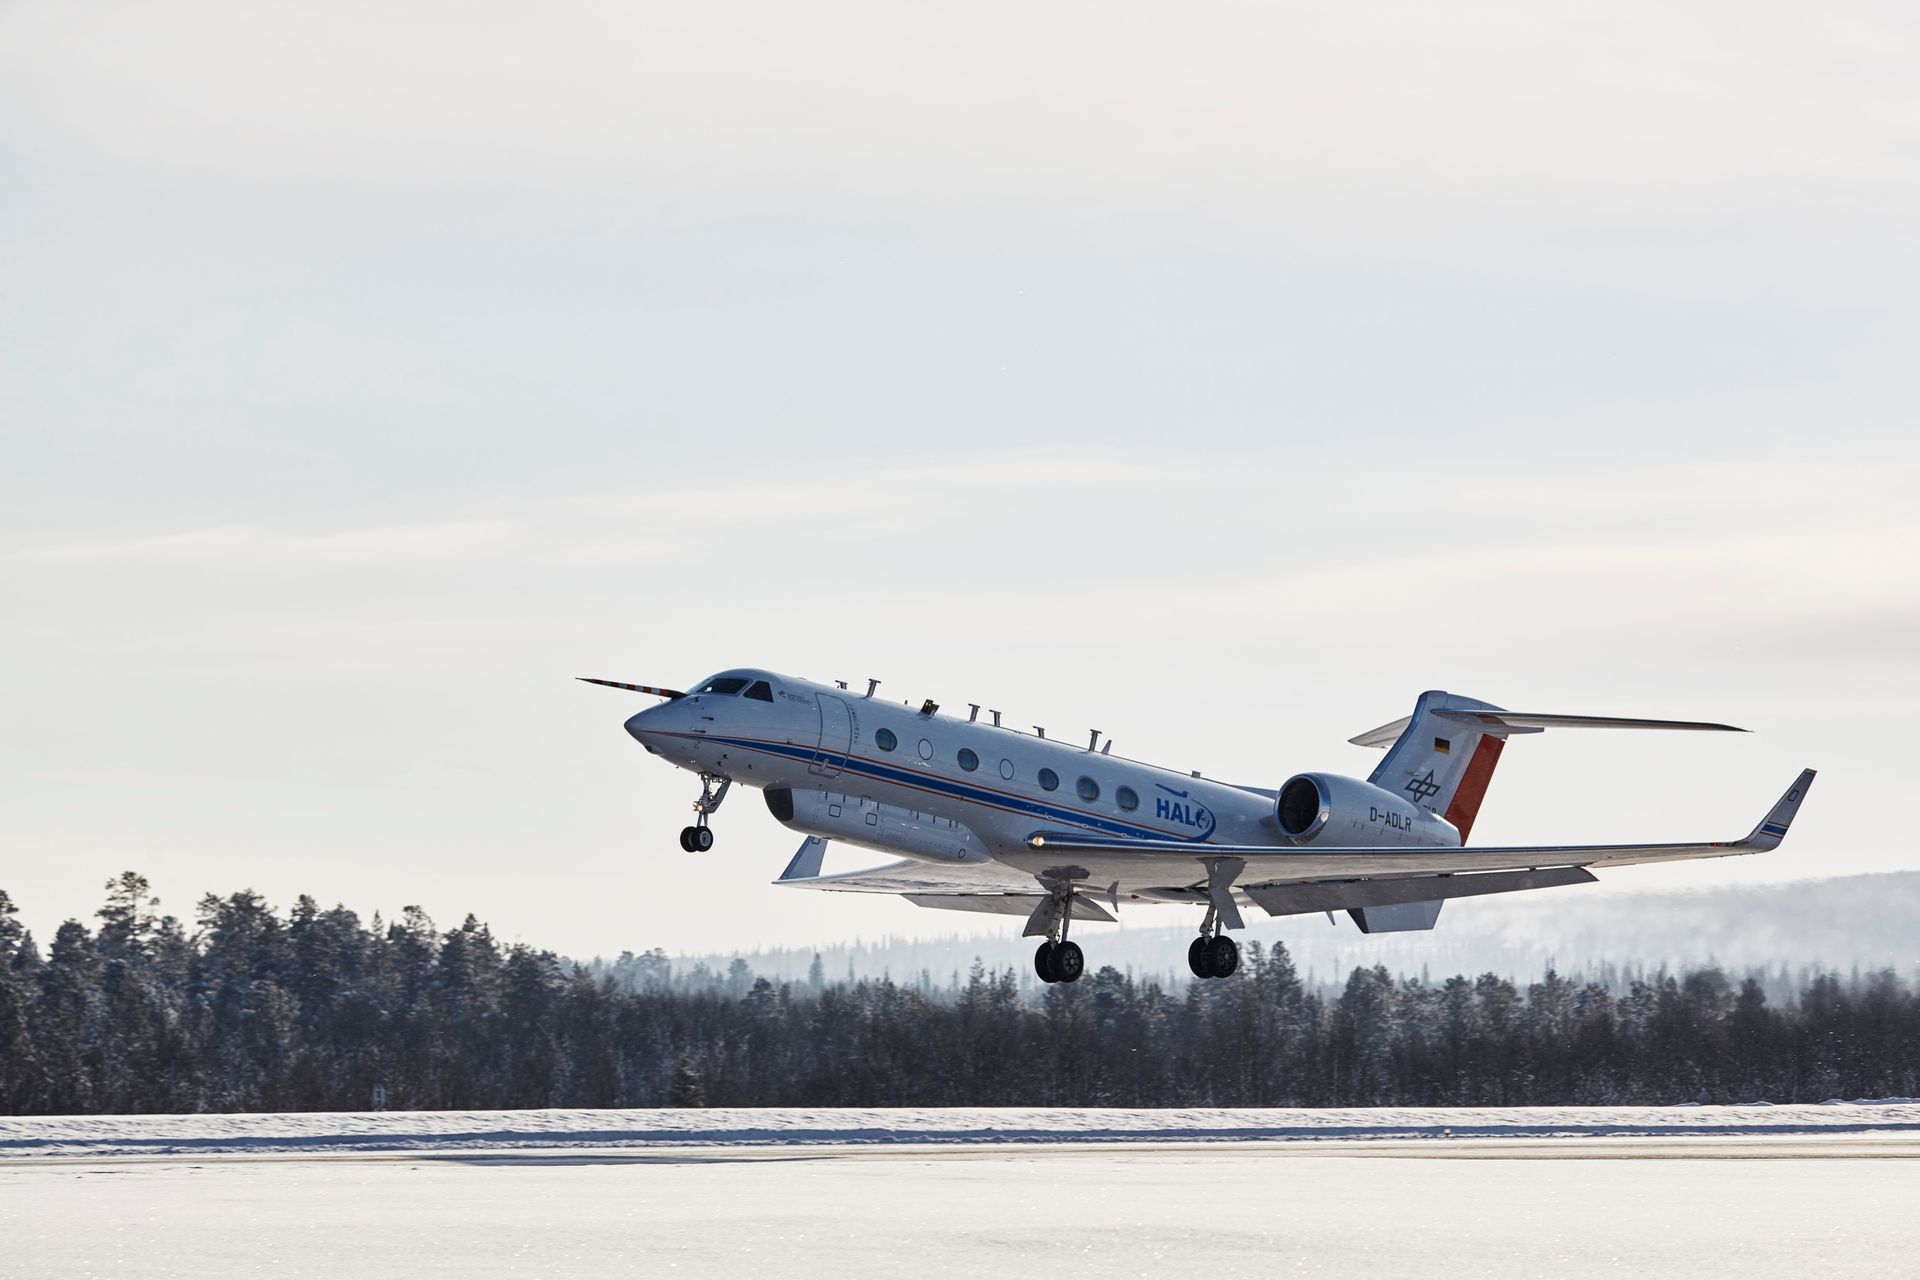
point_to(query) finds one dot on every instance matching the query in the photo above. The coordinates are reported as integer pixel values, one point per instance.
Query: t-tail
(1444, 754)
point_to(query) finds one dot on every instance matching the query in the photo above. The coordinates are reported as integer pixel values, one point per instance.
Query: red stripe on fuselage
(1473, 787)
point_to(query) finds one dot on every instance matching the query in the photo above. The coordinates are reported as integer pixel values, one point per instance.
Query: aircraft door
(836, 736)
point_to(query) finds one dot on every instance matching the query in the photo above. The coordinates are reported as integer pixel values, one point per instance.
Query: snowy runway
(1755, 1201)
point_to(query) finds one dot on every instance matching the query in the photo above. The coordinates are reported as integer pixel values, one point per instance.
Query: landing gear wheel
(1223, 956)
(701, 838)
(1197, 959)
(686, 839)
(1068, 963)
(1043, 963)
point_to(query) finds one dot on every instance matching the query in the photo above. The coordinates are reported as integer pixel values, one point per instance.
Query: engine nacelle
(1327, 809)
(853, 819)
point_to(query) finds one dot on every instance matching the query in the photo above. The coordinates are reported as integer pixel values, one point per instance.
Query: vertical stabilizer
(1442, 762)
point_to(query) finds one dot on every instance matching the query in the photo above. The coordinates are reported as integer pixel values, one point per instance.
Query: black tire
(1223, 955)
(1197, 959)
(686, 839)
(702, 838)
(1043, 962)
(1068, 963)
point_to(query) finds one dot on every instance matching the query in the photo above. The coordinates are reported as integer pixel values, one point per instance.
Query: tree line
(252, 1010)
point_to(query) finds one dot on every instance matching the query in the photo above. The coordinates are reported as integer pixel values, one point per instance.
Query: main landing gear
(698, 838)
(1058, 960)
(1213, 954)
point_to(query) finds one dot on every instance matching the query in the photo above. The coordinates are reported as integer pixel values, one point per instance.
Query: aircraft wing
(967, 886)
(1100, 860)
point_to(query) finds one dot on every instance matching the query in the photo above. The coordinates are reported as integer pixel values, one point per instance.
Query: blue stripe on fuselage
(941, 786)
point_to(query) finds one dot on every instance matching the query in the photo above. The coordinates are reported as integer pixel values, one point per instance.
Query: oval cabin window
(1126, 798)
(1049, 780)
(1087, 789)
(884, 739)
(968, 760)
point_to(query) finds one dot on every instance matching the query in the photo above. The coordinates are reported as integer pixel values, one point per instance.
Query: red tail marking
(1473, 786)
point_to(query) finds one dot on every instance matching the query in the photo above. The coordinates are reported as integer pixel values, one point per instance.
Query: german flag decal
(1443, 746)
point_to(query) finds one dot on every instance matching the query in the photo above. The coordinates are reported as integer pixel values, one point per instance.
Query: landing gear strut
(1213, 954)
(698, 838)
(1058, 960)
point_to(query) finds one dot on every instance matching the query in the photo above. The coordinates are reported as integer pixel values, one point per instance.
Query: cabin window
(1127, 798)
(728, 685)
(969, 760)
(884, 739)
(1088, 789)
(1049, 780)
(759, 691)
(1006, 770)
(926, 749)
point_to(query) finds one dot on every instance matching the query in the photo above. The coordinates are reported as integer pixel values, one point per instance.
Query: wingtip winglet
(1773, 828)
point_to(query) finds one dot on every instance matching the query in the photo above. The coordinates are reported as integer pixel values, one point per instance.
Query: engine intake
(1327, 809)
(1302, 808)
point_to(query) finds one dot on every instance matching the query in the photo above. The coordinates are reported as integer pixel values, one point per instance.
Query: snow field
(424, 1131)
(1735, 1207)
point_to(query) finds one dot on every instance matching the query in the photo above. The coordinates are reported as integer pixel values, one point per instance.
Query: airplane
(985, 817)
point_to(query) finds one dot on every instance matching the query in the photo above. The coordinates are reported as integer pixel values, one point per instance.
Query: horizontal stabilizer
(1502, 723)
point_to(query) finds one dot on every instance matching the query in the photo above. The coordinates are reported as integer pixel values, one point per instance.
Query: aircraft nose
(640, 727)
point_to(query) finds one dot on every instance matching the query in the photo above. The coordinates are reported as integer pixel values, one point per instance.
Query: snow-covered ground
(347, 1132)
(1815, 1198)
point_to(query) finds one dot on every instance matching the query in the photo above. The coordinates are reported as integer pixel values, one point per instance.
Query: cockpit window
(759, 691)
(728, 685)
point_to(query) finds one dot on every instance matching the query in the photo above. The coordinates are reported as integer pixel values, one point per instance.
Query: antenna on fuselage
(1108, 749)
(1042, 732)
(973, 712)
(841, 683)
(1093, 741)
(996, 718)
(872, 684)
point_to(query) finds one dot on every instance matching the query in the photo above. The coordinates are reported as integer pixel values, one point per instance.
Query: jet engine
(1329, 810)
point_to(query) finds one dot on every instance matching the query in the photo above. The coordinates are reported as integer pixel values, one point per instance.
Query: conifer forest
(249, 1009)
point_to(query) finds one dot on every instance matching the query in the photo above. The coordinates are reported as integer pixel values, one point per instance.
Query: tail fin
(1443, 755)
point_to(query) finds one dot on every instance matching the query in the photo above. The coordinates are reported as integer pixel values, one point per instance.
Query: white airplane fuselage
(941, 789)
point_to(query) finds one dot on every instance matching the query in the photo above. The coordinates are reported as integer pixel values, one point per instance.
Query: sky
(1218, 375)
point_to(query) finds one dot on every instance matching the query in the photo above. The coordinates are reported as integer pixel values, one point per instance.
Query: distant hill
(1839, 924)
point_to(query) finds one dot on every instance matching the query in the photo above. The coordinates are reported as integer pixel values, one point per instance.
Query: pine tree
(20, 1072)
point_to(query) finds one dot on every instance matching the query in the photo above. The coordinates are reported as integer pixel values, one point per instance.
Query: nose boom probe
(668, 694)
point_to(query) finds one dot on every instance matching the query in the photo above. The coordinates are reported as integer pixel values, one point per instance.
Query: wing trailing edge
(1185, 863)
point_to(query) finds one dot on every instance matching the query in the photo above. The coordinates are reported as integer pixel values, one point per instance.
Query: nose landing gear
(698, 838)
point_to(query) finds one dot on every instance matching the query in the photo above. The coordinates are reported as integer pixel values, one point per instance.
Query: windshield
(728, 685)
